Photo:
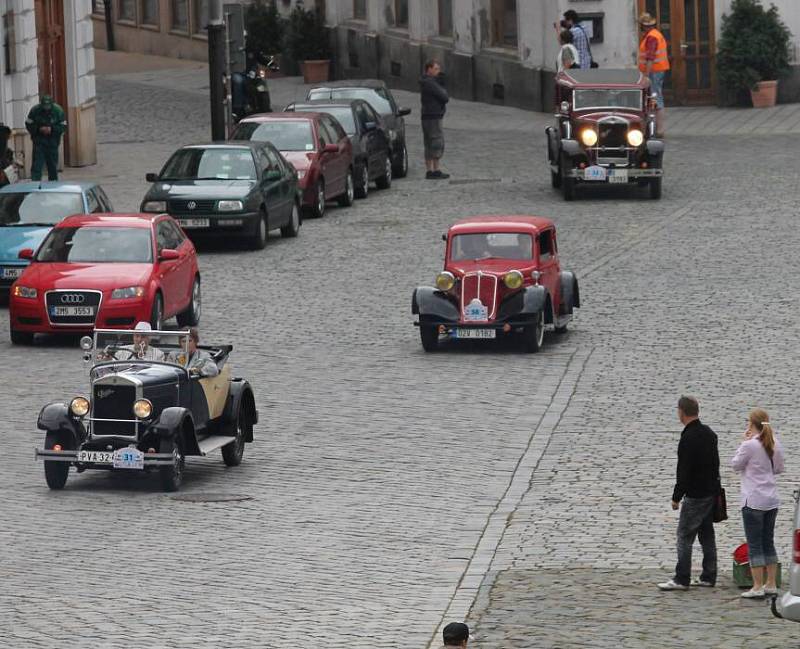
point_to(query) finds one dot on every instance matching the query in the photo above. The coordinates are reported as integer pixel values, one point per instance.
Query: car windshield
(342, 113)
(284, 134)
(89, 244)
(380, 104)
(607, 98)
(135, 346)
(210, 164)
(34, 208)
(491, 245)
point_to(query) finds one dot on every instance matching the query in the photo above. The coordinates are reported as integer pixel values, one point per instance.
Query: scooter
(250, 92)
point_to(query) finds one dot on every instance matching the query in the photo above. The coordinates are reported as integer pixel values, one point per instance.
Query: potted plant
(307, 41)
(753, 51)
(265, 30)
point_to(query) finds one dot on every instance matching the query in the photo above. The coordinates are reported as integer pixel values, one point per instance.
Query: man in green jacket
(46, 123)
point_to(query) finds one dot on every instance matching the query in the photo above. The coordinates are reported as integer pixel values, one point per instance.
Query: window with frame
(126, 10)
(179, 15)
(360, 9)
(200, 16)
(401, 14)
(148, 12)
(98, 7)
(546, 245)
(446, 18)
(504, 23)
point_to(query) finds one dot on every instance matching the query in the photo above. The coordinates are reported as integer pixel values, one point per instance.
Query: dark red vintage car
(106, 271)
(317, 146)
(501, 277)
(604, 132)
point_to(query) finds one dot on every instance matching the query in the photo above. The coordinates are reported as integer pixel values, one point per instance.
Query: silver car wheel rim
(196, 300)
(405, 160)
(321, 199)
(295, 217)
(350, 190)
(540, 332)
(262, 228)
(388, 169)
(365, 177)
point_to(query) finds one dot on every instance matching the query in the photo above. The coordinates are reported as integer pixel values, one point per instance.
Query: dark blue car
(29, 210)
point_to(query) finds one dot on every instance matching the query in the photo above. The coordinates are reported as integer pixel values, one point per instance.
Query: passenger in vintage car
(199, 363)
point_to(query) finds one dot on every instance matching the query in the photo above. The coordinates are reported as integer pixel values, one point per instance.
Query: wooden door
(52, 54)
(688, 26)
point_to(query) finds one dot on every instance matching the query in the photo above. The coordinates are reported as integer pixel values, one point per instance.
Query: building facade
(48, 49)
(504, 51)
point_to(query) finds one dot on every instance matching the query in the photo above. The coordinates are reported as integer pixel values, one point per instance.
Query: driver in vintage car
(140, 349)
(200, 363)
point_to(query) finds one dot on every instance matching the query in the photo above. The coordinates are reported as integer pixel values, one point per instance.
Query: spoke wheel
(172, 476)
(55, 473)
(232, 453)
(534, 334)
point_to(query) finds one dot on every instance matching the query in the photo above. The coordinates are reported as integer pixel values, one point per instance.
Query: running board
(213, 443)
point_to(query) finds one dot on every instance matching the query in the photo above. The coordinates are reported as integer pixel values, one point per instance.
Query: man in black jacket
(697, 485)
(434, 100)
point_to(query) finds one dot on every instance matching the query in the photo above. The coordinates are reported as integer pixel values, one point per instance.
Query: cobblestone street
(388, 489)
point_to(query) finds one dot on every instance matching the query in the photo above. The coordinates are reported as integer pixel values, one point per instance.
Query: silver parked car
(787, 605)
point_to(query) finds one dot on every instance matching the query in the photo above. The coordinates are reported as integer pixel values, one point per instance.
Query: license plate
(194, 223)
(128, 458)
(595, 173)
(98, 457)
(11, 273)
(71, 310)
(475, 333)
(618, 176)
(231, 223)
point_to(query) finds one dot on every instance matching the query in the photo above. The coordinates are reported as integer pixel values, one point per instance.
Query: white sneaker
(701, 582)
(753, 594)
(673, 585)
(770, 591)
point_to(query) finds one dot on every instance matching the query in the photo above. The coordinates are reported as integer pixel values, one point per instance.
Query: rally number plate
(71, 310)
(475, 333)
(11, 273)
(128, 458)
(618, 176)
(194, 223)
(98, 457)
(595, 173)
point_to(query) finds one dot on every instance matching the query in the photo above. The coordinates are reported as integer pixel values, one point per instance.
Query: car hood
(300, 160)
(45, 275)
(200, 189)
(14, 239)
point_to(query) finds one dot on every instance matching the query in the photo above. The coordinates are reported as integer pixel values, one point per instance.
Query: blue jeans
(759, 528)
(657, 87)
(696, 520)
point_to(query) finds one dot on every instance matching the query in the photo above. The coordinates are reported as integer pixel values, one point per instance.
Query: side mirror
(330, 148)
(25, 253)
(565, 108)
(151, 177)
(168, 254)
(273, 174)
(87, 343)
(403, 112)
(370, 126)
(444, 236)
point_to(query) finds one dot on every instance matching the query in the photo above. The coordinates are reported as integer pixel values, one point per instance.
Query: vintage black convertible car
(152, 404)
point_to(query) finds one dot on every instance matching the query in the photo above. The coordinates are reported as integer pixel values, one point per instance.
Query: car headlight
(25, 291)
(229, 206)
(301, 173)
(445, 281)
(154, 206)
(142, 408)
(513, 279)
(589, 137)
(127, 292)
(79, 406)
(635, 137)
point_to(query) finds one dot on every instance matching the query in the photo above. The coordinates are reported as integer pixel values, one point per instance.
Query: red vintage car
(501, 277)
(106, 271)
(317, 146)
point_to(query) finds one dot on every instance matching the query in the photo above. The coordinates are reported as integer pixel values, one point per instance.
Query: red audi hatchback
(106, 271)
(317, 146)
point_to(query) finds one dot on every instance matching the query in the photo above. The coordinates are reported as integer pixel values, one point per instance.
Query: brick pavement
(387, 485)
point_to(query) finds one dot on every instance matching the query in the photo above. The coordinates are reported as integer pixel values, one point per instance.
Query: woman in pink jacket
(759, 459)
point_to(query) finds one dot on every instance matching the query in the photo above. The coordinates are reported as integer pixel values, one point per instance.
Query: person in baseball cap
(141, 348)
(455, 634)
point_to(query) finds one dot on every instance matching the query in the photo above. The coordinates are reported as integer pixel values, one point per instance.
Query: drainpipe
(110, 45)
(217, 50)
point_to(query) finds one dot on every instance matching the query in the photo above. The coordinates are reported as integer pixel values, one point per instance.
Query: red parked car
(501, 277)
(106, 271)
(317, 146)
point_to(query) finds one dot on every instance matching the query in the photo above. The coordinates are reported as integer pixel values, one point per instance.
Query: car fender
(571, 147)
(655, 147)
(570, 295)
(240, 396)
(534, 299)
(431, 304)
(56, 418)
(172, 421)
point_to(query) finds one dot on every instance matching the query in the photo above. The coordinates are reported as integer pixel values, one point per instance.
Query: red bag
(741, 554)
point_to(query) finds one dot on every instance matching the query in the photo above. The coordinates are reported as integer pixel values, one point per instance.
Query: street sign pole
(217, 48)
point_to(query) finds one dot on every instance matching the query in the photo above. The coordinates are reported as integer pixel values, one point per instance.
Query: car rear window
(379, 103)
(606, 98)
(45, 208)
(210, 164)
(491, 245)
(344, 114)
(283, 134)
(89, 244)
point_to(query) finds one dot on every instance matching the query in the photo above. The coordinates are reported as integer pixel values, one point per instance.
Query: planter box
(316, 71)
(743, 578)
(765, 94)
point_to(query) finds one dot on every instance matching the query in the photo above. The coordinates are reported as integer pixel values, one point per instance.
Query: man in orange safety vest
(654, 62)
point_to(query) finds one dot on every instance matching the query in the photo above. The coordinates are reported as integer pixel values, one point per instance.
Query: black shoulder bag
(720, 505)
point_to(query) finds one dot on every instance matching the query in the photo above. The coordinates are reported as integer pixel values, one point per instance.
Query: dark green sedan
(244, 190)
